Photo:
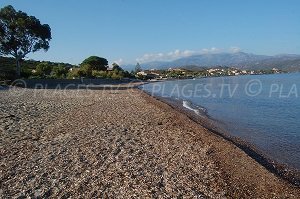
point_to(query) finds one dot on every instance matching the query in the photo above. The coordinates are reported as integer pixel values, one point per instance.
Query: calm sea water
(263, 110)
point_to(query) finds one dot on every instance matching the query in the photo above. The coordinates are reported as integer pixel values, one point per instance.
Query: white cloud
(235, 49)
(176, 54)
(119, 61)
(211, 50)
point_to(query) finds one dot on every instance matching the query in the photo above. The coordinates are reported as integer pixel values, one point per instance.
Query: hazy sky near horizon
(128, 31)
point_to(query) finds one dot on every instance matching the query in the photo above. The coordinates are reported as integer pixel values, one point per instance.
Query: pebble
(99, 144)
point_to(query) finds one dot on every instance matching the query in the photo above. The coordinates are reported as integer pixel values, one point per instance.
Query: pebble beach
(119, 143)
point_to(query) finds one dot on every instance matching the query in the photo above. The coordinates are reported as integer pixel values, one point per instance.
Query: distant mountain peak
(234, 59)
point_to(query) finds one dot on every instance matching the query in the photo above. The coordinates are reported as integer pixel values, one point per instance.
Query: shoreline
(283, 171)
(120, 142)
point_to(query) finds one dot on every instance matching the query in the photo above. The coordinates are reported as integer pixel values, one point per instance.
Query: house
(150, 75)
(142, 73)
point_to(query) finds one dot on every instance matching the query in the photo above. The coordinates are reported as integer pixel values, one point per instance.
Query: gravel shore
(118, 143)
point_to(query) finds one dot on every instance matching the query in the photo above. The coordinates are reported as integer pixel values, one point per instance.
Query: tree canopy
(43, 69)
(86, 70)
(21, 34)
(138, 68)
(97, 63)
(116, 67)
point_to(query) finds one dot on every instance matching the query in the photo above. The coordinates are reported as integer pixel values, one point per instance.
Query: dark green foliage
(59, 72)
(128, 75)
(86, 70)
(21, 34)
(97, 63)
(6, 74)
(7, 68)
(116, 67)
(43, 70)
(100, 74)
(74, 73)
(175, 74)
(36, 70)
(141, 77)
(116, 73)
(6, 71)
(138, 68)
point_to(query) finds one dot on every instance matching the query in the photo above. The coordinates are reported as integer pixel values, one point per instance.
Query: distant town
(179, 73)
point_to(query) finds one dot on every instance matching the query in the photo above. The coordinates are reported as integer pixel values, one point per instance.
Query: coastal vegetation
(50, 70)
(97, 67)
(21, 34)
(28, 69)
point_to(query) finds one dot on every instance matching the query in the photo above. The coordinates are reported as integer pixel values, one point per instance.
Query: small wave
(198, 110)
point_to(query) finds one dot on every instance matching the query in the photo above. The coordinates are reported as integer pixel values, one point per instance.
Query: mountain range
(242, 60)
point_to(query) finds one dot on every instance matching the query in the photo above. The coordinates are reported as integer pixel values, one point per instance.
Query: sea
(263, 110)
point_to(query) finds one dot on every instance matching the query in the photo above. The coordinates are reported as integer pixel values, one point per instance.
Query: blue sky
(128, 31)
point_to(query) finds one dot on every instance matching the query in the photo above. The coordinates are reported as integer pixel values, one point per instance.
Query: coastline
(283, 171)
(120, 142)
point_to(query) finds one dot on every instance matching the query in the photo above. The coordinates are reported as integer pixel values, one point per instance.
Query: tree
(86, 70)
(97, 63)
(99, 74)
(43, 69)
(138, 68)
(117, 74)
(73, 73)
(116, 67)
(21, 34)
(59, 71)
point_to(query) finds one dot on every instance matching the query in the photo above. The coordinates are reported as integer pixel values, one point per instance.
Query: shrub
(43, 70)
(59, 72)
(86, 70)
(99, 74)
(115, 76)
(73, 73)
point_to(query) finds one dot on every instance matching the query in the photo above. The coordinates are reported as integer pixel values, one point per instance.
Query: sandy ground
(118, 143)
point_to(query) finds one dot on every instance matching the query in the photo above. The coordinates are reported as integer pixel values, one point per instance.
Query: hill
(239, 60)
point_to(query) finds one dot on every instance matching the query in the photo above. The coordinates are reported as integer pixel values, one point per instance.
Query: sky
(130, 31)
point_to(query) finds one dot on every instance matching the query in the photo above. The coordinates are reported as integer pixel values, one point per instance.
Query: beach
(119, 143)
